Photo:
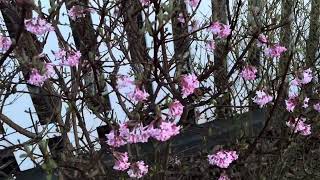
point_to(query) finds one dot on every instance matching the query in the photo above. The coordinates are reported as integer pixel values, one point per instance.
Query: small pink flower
(262, 40)
(38, 26)
(176, 108)
(225, 31)
(221, 30)
(249, 73)
(71, 58)
(192, 3)
(165, 132)
(292, 102)
(298, 126)
(36, 78)
(317, 107)
(262, 98)
(145, 2)
(211, 45)
(181, 18)
(78, 12)
(5, 43)
(223, 177)
(138, 95)
(188, 83)
(121, 163)
(139, 134)
(50, 72)
(138, 170)
(305, 102)
(215, 28)
(114, 140)
(223, 158)
(124, 81)
(275, 51)
(304, 78)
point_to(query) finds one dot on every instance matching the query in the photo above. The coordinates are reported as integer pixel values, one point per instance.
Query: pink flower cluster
(262, 98)
(68, 58)
(165, 132)
(138, 95)
(5, 43)
(175, 108)
(192, 3)
(121, 163)
(38, 26)
(298, 125)
(37, 79)
(140, 134)
(219, 29)
(249, 73)
(138, 170)
(262, 40)
(188, 84)
(275, 51)
(303, 78)
(181, 18)
(135, 94)
(145, 2)
(78, 12)
(223, 158)
(292, 102)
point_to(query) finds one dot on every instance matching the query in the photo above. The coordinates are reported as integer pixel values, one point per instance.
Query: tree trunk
(312, 44)
(219, 13)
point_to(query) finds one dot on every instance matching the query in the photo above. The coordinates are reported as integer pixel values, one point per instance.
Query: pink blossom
(317, 107)
(138, 95)
(181, 18)
(5, 43)
(124, 81)
(262, 40)
(139, 134)
(78, 12)
(145, 2)
(298, 126)
(275, 51)
(138, 170)
(36, 78)
(193, 3)
(189, 83)
(304, 78)
(114, 140)
(38, 26)
(71, 58)
(215, 28)
(175, 108)
(50, 72)
(219, 29)
(305, 102)
(223, 158)
(211, 45)
(121, 163)
(165, 132)
(249, 73)
(223, 177)
(225, 31)
(292, 102)
(262, 98)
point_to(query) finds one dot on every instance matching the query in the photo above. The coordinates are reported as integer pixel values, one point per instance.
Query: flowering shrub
(145, 89)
